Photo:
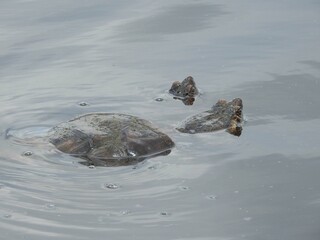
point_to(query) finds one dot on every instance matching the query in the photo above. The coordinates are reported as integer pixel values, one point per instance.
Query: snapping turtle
(185, 90)
(223, 115)
(109, 139)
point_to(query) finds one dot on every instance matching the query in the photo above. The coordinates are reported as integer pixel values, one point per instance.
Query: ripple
(30, 135)
(47, 194)
(45, 189)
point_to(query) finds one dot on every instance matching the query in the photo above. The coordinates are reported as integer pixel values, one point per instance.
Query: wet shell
(110, 139)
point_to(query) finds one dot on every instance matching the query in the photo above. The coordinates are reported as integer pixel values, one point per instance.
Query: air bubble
(184, 188)
(159, 99)
(165, 214)
(111, 186)
(212, 197)
(152, 167)
(83, 104)
(7, 216)
(27, 153)
(51, 206)
(126, 212)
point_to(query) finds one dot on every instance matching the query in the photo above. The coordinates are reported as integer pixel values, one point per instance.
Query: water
(60, 59)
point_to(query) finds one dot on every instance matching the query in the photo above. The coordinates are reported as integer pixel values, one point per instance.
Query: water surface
(119, 56)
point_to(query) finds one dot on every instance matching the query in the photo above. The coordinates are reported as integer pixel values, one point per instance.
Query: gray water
(119, 56)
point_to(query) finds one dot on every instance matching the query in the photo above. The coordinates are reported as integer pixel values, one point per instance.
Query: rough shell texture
(110, 139)
(223, 115)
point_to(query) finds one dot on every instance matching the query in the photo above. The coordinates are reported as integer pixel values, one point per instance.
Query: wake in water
(32, 135)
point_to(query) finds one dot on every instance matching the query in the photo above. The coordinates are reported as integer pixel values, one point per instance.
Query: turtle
(110, 139)
(116, 139)
(185, 90)
(223, 115)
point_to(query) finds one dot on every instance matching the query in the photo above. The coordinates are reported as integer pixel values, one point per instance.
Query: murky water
(60, 59)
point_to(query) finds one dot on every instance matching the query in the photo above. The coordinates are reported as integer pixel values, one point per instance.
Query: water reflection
(59, 55)
(188, 101)
(312, 63)
(292, 96)
(182, 18)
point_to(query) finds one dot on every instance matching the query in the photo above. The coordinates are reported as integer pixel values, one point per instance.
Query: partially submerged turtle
(109, 139)
(185, 90)
(223, 115)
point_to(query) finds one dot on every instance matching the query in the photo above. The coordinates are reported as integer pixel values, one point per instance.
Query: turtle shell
(110, 139)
